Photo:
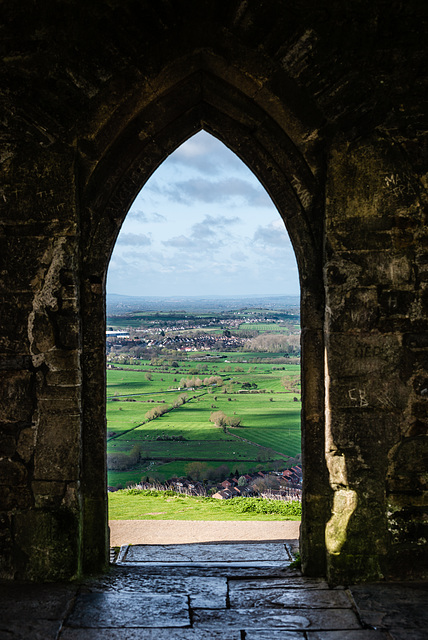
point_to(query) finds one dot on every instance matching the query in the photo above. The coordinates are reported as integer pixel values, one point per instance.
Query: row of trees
(123, 461)
(274, 343)
(199, 471)
(158, 411)
(161, 409)
(191, 383)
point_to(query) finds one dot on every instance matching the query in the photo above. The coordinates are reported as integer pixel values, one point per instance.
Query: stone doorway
(95, 97)
(295, 189)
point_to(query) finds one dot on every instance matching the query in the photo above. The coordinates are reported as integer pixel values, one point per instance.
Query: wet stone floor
(227, 591)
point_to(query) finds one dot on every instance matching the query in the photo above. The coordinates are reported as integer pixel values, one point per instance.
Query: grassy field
(139, 506)
(263, 327)
(270, 417)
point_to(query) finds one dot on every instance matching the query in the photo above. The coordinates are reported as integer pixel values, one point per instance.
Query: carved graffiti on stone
(302, 193)
(368, 351)
(398, 185)
(358, 397)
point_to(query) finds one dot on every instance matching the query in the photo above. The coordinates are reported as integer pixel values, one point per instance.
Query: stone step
(234, 554)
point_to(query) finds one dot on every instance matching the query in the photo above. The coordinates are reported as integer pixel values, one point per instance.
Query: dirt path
(188, 531)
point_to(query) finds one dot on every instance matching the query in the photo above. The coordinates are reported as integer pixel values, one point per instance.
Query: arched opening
(209, 269)
(309, 100)
(263, 145)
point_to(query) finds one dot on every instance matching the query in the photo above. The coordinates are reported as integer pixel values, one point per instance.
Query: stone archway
(95, 96)
(266, 148)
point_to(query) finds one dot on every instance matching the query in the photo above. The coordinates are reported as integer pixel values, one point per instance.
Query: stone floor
(207, 592)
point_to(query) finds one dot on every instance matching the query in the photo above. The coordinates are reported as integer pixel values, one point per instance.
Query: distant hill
(119, 304)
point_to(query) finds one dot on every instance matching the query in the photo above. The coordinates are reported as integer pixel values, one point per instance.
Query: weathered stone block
(407, 472)
(42, 332)
(54, 398)
(352, 311)
(289, 598)
(416, 340)
(95, 537)
(390, 606)
(15, 310)
(26, 443)
(63, 360)
(16, 401)
(284, 618)
(57, 452)
(62, 378)
(47, 494)
(11, 472)
(365, 267)
(67, 329)
(29, 603)
(367, 355)
(15, 497)
(98, 610)
(48, 543)
(365, 394)
(7, 445)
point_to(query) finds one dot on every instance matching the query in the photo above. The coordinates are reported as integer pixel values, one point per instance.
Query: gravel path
(188, 531)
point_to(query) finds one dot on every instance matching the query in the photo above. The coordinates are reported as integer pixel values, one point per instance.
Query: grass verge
(132, 504)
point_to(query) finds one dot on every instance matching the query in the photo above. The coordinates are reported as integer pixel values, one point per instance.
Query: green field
(124, 505)
(270, 417)
(263, 327)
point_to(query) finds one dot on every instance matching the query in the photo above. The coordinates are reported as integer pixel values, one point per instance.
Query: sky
(203, 225)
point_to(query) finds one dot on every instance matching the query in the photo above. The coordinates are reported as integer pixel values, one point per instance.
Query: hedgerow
(261, 505)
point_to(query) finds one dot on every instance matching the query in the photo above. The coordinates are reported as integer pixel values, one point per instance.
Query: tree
(135, 454)
(154, 413)
(196, 470)
(234, 422)
(148, 376)
(220, 473)
(249, 385)
(218, 418)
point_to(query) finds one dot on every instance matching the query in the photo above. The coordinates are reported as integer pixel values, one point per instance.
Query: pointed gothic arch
(202, 101)
(308, 98)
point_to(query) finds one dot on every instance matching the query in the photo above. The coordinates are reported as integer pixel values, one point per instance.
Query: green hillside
(139, 446)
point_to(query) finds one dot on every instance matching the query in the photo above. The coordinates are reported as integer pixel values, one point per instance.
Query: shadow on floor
(231, 591)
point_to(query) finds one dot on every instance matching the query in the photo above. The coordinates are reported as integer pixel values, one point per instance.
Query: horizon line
(211, 295)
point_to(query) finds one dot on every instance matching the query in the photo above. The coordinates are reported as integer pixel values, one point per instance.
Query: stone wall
(376, 306)
(325, 104)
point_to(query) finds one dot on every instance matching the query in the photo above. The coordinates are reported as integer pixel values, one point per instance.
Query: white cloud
(231, 191)
(206, 155)
(211, 225)
(181, 242)
(205, 236)
(143, 216)
(209, 228)
(271, 235)
(239, 256)
(134, 239)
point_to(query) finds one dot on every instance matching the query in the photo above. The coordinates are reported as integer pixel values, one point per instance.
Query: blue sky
(203, 225)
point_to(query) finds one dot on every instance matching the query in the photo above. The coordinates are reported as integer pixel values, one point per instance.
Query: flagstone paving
(211, 592)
